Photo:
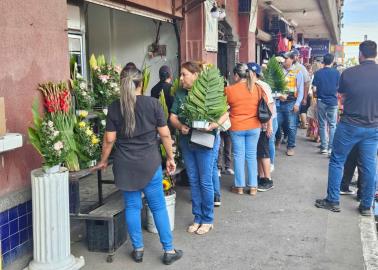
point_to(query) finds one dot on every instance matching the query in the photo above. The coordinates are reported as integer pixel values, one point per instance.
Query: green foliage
(84, 96)
(206, 100)
(163, 104)
(146, 73)
(274, 76)
(175, 86)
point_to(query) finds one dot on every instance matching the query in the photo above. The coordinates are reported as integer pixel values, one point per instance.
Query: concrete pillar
(51, 223)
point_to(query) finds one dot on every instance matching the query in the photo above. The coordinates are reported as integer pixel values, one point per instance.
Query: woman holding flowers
(132, 125)
(198, 160)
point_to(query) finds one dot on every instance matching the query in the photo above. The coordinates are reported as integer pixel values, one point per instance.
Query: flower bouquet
(57, 101)
(105, 81)
(168, 185)
(88, 144)
(47, 140)
(84, 96)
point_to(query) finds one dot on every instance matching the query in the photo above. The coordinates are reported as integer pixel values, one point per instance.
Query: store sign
(319, 47)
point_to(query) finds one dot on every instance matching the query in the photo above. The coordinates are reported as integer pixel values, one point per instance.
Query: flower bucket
(170, 201)
(53, 169)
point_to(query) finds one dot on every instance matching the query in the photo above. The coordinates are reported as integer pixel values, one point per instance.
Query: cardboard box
(3, 128)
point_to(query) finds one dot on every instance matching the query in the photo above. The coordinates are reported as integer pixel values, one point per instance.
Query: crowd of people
(311, 101)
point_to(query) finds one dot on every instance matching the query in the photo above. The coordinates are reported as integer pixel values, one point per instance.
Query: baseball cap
(164, 72)
(255, 68)
(295, 52)
(285, 55)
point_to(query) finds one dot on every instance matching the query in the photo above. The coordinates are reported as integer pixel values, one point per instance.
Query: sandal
(253, 191)
(205, 228)
(193, 228)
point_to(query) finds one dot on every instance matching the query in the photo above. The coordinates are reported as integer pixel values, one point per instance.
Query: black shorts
(263, 146)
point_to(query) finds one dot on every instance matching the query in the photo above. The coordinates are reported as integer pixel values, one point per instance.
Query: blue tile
(22, 222)
(4, 231)
(30, 219)
(5, 245)
(13, 226)
(30, 233)
(13, 213)
(4, 217)
(14, 253)
(24, 236)
(21, 209)
(7, 258)
(29, 206)
(14, 240)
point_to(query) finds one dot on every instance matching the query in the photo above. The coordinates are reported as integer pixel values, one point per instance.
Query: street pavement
(278, 229)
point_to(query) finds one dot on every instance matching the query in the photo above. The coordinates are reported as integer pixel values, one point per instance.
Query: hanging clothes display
(281, 46)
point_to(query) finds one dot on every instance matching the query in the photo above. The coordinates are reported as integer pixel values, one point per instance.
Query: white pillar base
(71, 264)
(51, 223)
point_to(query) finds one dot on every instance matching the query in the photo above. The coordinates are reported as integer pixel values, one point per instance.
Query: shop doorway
(222, 59)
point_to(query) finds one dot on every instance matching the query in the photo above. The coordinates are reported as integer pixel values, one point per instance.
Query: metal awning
(127, 8)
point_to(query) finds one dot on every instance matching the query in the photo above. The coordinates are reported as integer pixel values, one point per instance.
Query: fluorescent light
(293, 23)
(275, 8)
(284, 20)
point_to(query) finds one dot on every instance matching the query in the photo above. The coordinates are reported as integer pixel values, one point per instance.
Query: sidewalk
(279, 229)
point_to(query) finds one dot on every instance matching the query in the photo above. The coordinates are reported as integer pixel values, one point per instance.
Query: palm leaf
(274, 76)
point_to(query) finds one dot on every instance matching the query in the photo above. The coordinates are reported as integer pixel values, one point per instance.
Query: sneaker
(217, 201)
(347, 192)
(324, 151)
(271, 168)
(365, 211)
(325, 204)
(290, 152)
(170, 258)
(229, 171)
(265, 185)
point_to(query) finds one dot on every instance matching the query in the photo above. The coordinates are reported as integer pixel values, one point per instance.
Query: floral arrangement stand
(170, 200)
(51, 222)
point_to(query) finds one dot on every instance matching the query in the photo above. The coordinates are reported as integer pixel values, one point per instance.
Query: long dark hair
(131, 79)
(243, 72)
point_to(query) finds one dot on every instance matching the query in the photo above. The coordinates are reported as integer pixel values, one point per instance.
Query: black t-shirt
(136, 159)
(166, 87)
(359, 86)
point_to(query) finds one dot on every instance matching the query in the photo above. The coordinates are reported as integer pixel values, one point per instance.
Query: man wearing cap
(290, 101)
(164, 84)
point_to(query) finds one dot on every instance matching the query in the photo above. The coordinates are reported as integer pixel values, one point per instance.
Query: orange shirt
(244, 105)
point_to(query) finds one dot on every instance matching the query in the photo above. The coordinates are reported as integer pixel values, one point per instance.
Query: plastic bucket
(170, 201)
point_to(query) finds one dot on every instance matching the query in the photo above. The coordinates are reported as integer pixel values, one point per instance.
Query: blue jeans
(327, 115)
(215, 177)
(244, 145)
(156, 202)
(347, 136)
(199, 163)
(272, 140)
(286, 116)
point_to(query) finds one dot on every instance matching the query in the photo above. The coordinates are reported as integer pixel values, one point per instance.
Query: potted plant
(50, 199)
(170, 200)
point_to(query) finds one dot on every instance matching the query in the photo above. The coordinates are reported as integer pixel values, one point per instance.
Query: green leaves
(146, 73)
(206, 100)
(274, 76)
(163, 104)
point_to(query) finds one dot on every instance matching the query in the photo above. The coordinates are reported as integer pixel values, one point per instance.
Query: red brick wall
(33, 50)
(247, 51)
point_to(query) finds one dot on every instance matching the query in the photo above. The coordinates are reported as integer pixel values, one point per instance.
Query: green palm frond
(274, 76)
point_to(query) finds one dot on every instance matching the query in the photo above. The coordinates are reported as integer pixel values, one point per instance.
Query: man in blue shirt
(326, 82)
(358, 126)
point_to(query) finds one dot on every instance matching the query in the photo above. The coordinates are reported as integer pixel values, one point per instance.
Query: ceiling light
(275, 8)
(293, 23)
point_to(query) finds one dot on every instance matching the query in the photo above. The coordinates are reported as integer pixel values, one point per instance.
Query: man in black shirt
(358, 126)
(164, 84)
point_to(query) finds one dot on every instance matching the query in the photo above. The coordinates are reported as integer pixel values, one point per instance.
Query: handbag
(263, 112)
(202, 138)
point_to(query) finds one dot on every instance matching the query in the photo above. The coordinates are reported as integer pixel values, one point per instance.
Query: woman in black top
(132, 125)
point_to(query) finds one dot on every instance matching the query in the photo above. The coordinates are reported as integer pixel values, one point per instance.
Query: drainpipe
(177, 32)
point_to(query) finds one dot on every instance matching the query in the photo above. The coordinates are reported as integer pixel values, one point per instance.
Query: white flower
(56, 133)
(82, 85)
(79, 76)
(105, 111)
(50, 123)
(58, 145)
(113, 85)
(103, 122)
(116, 89)
(84, 93)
